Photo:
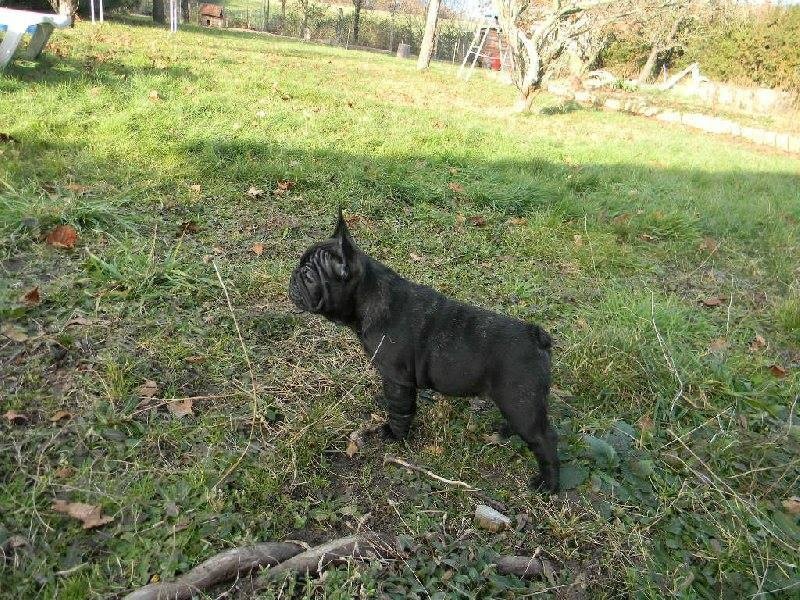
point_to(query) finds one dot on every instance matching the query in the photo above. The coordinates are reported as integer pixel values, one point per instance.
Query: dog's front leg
(401, 404)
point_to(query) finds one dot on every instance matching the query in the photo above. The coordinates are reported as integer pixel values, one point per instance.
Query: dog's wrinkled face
(327, 276)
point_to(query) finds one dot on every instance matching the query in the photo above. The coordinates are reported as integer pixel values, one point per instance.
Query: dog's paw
(544, 485)
(505, 431)
(387, 434)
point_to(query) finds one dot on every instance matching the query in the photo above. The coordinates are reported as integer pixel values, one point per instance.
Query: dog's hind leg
(401, 405)
(543, 442)
(529, 420)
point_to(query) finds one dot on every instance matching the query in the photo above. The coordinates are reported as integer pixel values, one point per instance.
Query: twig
(70, 571)
(399, 461)
(290, 557)
(217, 569)
(355, 441)
(522, 566)
(315, 560)
(252, 379)
(721, 486)
(665, 351)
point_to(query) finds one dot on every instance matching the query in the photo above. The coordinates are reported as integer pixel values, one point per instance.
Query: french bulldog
(420, 339)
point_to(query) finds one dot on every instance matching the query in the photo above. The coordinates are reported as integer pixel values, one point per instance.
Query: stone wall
(788, 142)
(750, 100)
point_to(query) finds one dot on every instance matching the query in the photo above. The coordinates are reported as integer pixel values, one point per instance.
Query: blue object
(31, 29)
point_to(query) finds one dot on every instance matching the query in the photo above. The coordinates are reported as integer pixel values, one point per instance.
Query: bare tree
(65, 7)
(357, 6)
(426, 47)
(159, 11)
(311, 11)
(548, 38)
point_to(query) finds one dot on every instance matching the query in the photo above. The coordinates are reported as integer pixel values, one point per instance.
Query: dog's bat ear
(341, 226)
(347, 247)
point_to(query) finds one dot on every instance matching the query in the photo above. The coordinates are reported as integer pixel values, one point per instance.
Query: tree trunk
(185, 10)
(159, 12)
(649, 66)
(357, 4)
(66, 7)
(426, 48)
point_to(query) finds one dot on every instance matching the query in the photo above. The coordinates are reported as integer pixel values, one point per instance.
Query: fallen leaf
(189, 227)
(154, 96)
(195, 187)
(180, 409)
(792, 505)
(581, 324)
(14, 417)
(64, 472)
(493, 440)
(718, 345)
(196, 359)
(284, 186)
(254, 192)
(645, 423)
(460, 220)
(60, 415)
(77, 188)
(14, 332)
(647, 237)
(148, 389)
(257, 249)
(709, 244)
(578, 240)
(477, 220)
(456, 187)
(6, 138)
(94, 91)
(778, 371)
(63, 236)
(352, 448)
(518, 221)
(32, 297)
(712, 301)
(416, 257)
(758, 343)
(453, 170)
(91, 516)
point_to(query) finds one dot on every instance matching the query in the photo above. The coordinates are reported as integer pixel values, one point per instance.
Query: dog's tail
(541, 337)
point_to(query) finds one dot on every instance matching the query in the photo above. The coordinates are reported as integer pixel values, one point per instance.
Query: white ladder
(476, 47)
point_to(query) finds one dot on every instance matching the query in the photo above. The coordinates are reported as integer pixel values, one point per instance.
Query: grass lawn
(663, 261)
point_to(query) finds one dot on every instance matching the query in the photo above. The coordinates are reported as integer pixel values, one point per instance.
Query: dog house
(211, 15)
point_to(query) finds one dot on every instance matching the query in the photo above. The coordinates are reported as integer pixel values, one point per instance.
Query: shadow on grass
(52, 70)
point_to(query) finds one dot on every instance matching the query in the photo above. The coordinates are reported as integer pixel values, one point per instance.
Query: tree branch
(217, 569)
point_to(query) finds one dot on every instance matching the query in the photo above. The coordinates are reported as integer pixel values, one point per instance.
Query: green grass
(679, 448)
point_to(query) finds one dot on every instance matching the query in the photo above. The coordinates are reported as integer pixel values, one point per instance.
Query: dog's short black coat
(418, 338)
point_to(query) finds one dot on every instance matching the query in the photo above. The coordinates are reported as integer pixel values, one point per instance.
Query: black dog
(420, 339)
